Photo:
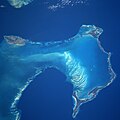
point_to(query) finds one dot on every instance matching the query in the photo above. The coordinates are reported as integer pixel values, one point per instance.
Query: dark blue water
(49, 96)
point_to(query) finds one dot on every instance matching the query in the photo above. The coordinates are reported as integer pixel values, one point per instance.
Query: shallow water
(81, 58)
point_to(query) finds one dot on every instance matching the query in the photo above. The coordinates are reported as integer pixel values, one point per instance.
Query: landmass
(81, 58)
(15, 40)
(19, 3)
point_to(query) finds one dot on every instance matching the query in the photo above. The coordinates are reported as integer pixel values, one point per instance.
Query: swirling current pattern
(81, 58)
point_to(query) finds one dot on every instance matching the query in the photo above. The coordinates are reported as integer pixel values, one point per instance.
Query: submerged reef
(19, 3)
(81, 58)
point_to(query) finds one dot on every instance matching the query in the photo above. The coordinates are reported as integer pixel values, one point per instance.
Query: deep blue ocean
(49, 96)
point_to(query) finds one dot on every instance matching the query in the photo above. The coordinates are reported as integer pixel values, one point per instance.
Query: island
(81, 58)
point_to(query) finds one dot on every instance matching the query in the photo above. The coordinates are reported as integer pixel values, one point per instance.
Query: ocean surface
(49, 96)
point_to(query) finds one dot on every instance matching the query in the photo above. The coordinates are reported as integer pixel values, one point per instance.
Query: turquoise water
(81, 58)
